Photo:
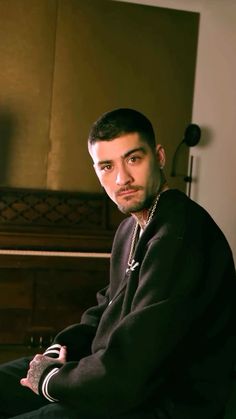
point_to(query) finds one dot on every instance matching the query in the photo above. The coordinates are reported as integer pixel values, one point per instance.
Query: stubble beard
(136, 207)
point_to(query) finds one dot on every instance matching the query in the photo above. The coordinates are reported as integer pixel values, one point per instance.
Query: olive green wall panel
(27, 34)
(111, 54)
(64, 62)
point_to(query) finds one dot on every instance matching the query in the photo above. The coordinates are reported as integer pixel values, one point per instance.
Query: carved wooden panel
(56, 220)
(49, 208)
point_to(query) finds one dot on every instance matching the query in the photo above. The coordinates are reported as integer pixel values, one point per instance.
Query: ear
(90, 150)
(98, 174)
(161, 155)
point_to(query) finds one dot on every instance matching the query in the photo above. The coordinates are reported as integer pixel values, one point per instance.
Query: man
(161, 341)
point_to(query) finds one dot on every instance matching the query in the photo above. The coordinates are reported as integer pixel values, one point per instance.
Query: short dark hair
(119, 122)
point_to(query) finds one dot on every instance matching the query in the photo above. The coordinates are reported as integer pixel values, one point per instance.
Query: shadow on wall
(207, 137)
(8, 125)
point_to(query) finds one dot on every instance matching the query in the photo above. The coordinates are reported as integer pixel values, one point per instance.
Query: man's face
(128, 170)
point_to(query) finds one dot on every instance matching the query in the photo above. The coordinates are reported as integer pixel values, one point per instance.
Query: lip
(128, 192)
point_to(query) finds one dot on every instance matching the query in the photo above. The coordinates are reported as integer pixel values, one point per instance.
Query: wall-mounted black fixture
(191, 138)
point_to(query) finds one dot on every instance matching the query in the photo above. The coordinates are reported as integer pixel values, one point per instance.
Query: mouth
(127, 192)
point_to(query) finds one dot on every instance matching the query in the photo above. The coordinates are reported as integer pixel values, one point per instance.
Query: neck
(142, 217)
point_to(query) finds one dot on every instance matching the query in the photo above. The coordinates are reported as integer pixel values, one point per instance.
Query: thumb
(23, 381)
(62, 354)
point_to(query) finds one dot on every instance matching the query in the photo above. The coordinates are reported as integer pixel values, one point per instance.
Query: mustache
(128, 188)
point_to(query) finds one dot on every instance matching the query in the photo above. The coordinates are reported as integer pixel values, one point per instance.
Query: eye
(134, 159)
(106, 168)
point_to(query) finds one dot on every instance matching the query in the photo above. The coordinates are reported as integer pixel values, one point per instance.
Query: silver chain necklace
(131, 262)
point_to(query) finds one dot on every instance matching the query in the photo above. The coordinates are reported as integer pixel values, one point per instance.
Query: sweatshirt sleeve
(172, 294)
(78, 337)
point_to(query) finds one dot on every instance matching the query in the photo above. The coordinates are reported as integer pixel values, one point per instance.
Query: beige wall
(64, 62)
(214, 109)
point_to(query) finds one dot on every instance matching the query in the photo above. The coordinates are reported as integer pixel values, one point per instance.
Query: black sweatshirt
(162, 337)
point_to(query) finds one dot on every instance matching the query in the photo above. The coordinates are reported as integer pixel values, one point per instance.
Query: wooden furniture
(54, 257)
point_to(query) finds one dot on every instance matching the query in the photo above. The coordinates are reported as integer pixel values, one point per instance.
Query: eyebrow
(124, 156)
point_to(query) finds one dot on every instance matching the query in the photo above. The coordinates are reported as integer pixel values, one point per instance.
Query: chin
(128, 209)
(144, 205)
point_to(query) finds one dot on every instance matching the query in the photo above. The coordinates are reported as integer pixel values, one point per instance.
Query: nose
(123, 176)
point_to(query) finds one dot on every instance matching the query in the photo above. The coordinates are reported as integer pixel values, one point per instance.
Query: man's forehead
(116, 148)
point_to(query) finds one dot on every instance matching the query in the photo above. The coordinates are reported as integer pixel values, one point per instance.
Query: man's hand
(37, 366)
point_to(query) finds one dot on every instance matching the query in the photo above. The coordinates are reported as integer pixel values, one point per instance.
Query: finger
(32, 363)
(38, 357)
(35, 359)
(63, 354)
